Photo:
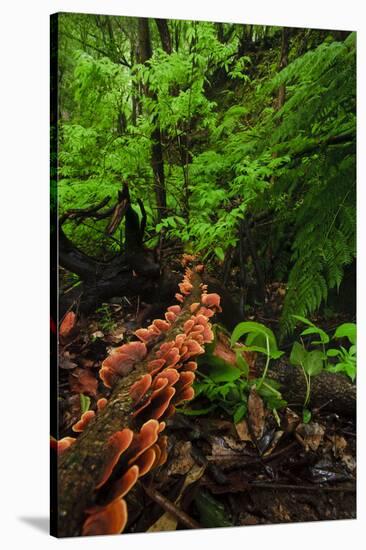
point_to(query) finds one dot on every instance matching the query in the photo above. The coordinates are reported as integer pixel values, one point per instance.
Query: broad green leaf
(313, 363)
(347, 330)
(303, 320)
(333, 352)
(84, 403)
(239, 413)
(220, 253)
(306, 416)
(258, 338)
(324, 338)
(211, 511)
(298, 354)
(241, 362)
(221, 371)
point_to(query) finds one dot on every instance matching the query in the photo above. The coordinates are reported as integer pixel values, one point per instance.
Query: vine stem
(307, 380)
(267, 365)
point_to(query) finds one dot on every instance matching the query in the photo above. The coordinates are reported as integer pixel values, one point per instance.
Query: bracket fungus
(123, 440)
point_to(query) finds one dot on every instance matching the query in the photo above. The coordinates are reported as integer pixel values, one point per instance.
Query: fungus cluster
(167, 348)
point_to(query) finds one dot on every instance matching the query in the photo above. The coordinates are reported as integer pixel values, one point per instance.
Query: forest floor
(217, 473)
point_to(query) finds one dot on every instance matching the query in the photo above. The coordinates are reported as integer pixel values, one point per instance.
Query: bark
(131, 273)
(164, 33)
(282, 64)
(81, 466)
(157, 162)
(333, 391)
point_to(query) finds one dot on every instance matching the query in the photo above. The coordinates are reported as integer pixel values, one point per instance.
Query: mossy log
(81, 467)
(335, 392)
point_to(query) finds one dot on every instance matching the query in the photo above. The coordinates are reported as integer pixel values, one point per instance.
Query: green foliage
(84, 403)
(231, 152)
(227, 386)
(211, 511)
(106, 322)
(334, 360)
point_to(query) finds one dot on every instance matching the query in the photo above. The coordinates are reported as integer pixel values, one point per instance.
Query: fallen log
(123, 440)
(130, 273)
(333, 391)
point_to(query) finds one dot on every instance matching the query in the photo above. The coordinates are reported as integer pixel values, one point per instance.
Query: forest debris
(67, 325)
(65, 362)
(338, 445)
(226, 446)
(273, 444)
(243, 431)
(169, 520)
(256, 414)
(182, 459)
(310, 436)
(212, 512)
(291, 420)
(86, 363)
(350, 462)
(83, 381)
(326, 470)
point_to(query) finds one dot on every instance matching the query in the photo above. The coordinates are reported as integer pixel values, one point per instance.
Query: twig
(170, 507)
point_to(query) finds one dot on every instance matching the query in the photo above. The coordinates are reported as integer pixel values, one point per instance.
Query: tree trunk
(282, 64)
(157, 162)
(164, 33)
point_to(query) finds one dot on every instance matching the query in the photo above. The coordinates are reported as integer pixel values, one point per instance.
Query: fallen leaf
(226, 446)
(86, 363)
(182, 460)
(311, 435)
(66, 363)
(67, 325)
(83, 381)
(338, 445)
(291, 420)
(350, 462)
(256, 414)
(243, 431)
(168, 522)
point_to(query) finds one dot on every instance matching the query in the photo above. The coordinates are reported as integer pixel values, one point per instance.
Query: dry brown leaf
(243, 431)
(310, 435)
(226, 446)
(338, 445)
(256, 414)
(182, 461)
(67, 325)
(350, 462)
(66, 363)
(83, 381)
(291, 420)
(168, 522)
(86, 363)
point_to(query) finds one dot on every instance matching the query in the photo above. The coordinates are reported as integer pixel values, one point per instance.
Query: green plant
(226, 385)
(84, 403)
(106, 322)
(314, 361)
(347, 359)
